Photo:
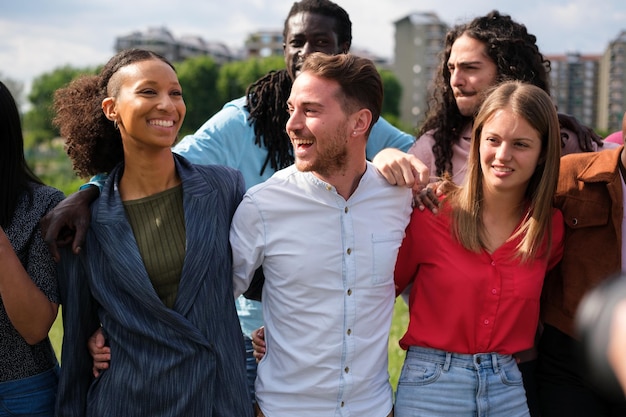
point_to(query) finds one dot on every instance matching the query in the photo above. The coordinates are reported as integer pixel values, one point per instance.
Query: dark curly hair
(92, 142)
(517, 57)
(267, 97)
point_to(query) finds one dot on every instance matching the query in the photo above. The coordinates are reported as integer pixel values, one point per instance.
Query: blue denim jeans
(32, 396)
(434, 383)
(251, 366)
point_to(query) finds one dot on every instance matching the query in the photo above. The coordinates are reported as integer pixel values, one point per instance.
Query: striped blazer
(186, 361)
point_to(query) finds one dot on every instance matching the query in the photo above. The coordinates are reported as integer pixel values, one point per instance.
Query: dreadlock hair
(267, 97)
(15, 174)
(266, 102)
(517, 57)
(92, 141)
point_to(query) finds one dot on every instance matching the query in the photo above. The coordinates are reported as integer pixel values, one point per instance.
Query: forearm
(28, 308)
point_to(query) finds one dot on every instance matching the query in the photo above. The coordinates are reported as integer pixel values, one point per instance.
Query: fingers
(398, 167)
(427, 199)
(99, 338)
(49, 232)
(258, 343)
(100, 353)
(99, 367)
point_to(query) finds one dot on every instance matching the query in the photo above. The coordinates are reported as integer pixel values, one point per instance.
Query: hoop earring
(115, 125)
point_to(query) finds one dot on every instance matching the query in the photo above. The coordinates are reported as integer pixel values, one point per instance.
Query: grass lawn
(396, 355)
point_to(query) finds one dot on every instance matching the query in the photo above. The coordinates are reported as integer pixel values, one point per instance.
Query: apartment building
(574, 85)
(419, 38)
(612, 85)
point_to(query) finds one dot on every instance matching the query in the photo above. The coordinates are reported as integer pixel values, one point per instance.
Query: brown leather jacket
(589, 194)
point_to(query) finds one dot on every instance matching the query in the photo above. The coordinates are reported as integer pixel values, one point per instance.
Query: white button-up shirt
(329, 291)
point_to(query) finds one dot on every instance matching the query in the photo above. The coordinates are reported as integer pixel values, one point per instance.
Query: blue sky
(37, 36)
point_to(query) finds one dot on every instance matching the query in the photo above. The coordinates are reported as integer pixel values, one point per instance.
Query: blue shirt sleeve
(385, 135)
(220, 139)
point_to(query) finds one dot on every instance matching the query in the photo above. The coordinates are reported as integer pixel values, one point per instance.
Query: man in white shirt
(326, 231)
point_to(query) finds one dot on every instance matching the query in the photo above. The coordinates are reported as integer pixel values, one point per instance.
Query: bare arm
(68, 221)
(28, 308)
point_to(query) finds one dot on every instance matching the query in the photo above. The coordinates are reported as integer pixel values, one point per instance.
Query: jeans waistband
(31, 383)
(466, 360)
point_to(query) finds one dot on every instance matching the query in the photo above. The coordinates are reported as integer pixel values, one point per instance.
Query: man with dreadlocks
(249, 134)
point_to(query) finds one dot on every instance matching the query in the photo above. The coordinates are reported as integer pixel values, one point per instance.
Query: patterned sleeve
(38, 262)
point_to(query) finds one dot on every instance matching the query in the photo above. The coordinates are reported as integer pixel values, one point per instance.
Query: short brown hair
(358, 79)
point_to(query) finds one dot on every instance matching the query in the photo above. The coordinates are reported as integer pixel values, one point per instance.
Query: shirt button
(349, 291)
(346, 369)
(349, 251)
(486, 322)
(494, 291)
(493, 263)
(345, 210)
(328, 188)
(349, 332)
(342, 403)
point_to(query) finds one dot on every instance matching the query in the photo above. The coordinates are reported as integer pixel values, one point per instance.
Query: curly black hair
(517, 57)
(92, 142)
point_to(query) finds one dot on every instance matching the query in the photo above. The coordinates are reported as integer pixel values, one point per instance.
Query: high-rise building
(612, 85)
(419, 39)
(574, 85)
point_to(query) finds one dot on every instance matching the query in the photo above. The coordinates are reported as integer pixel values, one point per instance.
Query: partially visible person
(249, 134)
(617, 344)
(328, 294)
(468, 317)
(600, 326)
(615, 137)
(590, 194)
(29, 296)
(155, 271)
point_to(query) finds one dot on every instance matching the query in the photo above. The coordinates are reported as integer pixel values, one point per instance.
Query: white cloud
(37, 36)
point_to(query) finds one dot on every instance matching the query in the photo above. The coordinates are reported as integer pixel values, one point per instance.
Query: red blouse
(467, 302)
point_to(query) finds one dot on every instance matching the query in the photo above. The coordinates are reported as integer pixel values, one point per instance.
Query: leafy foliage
(41, 95)
(198, 77)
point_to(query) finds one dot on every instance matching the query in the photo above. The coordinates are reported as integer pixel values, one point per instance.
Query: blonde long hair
(535, 106)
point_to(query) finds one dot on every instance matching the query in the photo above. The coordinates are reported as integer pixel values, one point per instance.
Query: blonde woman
(477, 267)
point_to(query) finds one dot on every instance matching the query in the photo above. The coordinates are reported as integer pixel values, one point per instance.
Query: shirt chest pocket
(384, 253)
(579, 213)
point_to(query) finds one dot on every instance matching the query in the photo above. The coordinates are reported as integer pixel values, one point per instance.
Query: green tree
(391, 100)
(198, 78)
(38, 120)
(393, 93)
(235, 77)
